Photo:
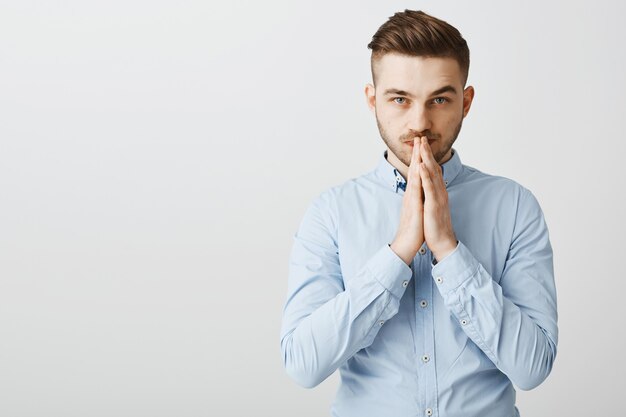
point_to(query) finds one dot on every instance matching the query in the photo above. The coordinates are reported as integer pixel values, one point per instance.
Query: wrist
(405, 254)
(444, 250)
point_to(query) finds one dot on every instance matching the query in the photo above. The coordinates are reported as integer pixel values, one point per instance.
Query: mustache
(409, 137)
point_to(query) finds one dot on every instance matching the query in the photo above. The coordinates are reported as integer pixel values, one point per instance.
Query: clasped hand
(425, 214)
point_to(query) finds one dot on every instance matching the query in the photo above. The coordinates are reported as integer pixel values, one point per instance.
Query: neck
(397, 164)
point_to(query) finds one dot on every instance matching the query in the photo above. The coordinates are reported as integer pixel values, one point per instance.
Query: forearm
(318, 337)
(328, 337)
(520, 339)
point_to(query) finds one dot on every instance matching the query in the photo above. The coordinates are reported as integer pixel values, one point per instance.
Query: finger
(427, 156)
(413, 173)
(414, 187)
(420, 191)
(416, 158)
(426, 152)
(417, 183)
(427, 182)
(432, 165)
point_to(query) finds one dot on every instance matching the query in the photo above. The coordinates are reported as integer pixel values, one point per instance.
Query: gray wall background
(156, 158)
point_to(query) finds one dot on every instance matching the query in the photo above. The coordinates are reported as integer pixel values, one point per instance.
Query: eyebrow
(445, 89)
(396, 92)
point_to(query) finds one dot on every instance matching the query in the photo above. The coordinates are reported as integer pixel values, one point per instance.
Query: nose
(419, 119)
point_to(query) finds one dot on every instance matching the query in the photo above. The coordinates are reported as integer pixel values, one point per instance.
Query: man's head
(419, 70)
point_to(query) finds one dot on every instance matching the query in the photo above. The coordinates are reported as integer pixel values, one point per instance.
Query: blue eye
(399, 98)
(443, 100)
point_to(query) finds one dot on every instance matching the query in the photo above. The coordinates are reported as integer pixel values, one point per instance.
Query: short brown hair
(415, 33)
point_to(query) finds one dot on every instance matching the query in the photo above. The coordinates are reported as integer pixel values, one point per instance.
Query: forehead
(416, 73)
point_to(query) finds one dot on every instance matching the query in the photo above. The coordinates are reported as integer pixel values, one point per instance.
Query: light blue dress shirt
(447, 338)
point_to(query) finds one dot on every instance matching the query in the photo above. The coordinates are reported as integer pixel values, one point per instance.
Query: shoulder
(495, 183)
(322, 207)
(328, 203)
(348, 189)
(508, 195)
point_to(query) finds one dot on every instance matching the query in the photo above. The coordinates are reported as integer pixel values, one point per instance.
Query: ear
(468, 97)
(370, 97)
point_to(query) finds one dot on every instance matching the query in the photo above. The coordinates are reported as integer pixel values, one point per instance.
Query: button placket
(424, 321)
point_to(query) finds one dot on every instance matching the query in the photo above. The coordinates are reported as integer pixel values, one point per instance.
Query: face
(414, 97)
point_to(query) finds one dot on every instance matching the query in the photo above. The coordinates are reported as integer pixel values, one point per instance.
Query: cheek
(451, 118)
(388, 115)
(385, 116)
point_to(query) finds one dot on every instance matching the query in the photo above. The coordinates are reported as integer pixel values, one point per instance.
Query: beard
(443, 145)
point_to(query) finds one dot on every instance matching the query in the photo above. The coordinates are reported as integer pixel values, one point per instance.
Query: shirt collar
(392, 177)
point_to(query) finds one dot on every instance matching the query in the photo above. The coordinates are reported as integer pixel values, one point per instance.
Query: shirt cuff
(390, 271)
(454, 269)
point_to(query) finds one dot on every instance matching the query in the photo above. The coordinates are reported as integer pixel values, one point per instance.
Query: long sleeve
(325, 320)
(514, 322)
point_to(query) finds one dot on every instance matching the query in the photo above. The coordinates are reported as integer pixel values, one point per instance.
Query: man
(426, 282)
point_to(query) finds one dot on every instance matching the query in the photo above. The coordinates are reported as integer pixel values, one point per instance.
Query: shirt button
(423, 303)
(405, 284)
(429, 412)
(463, 322)
(422, 250)
(439, 280)
(425, 358)
(381, 322)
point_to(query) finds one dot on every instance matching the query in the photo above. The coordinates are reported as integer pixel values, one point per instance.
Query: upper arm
(528, 276)
(314, 269)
